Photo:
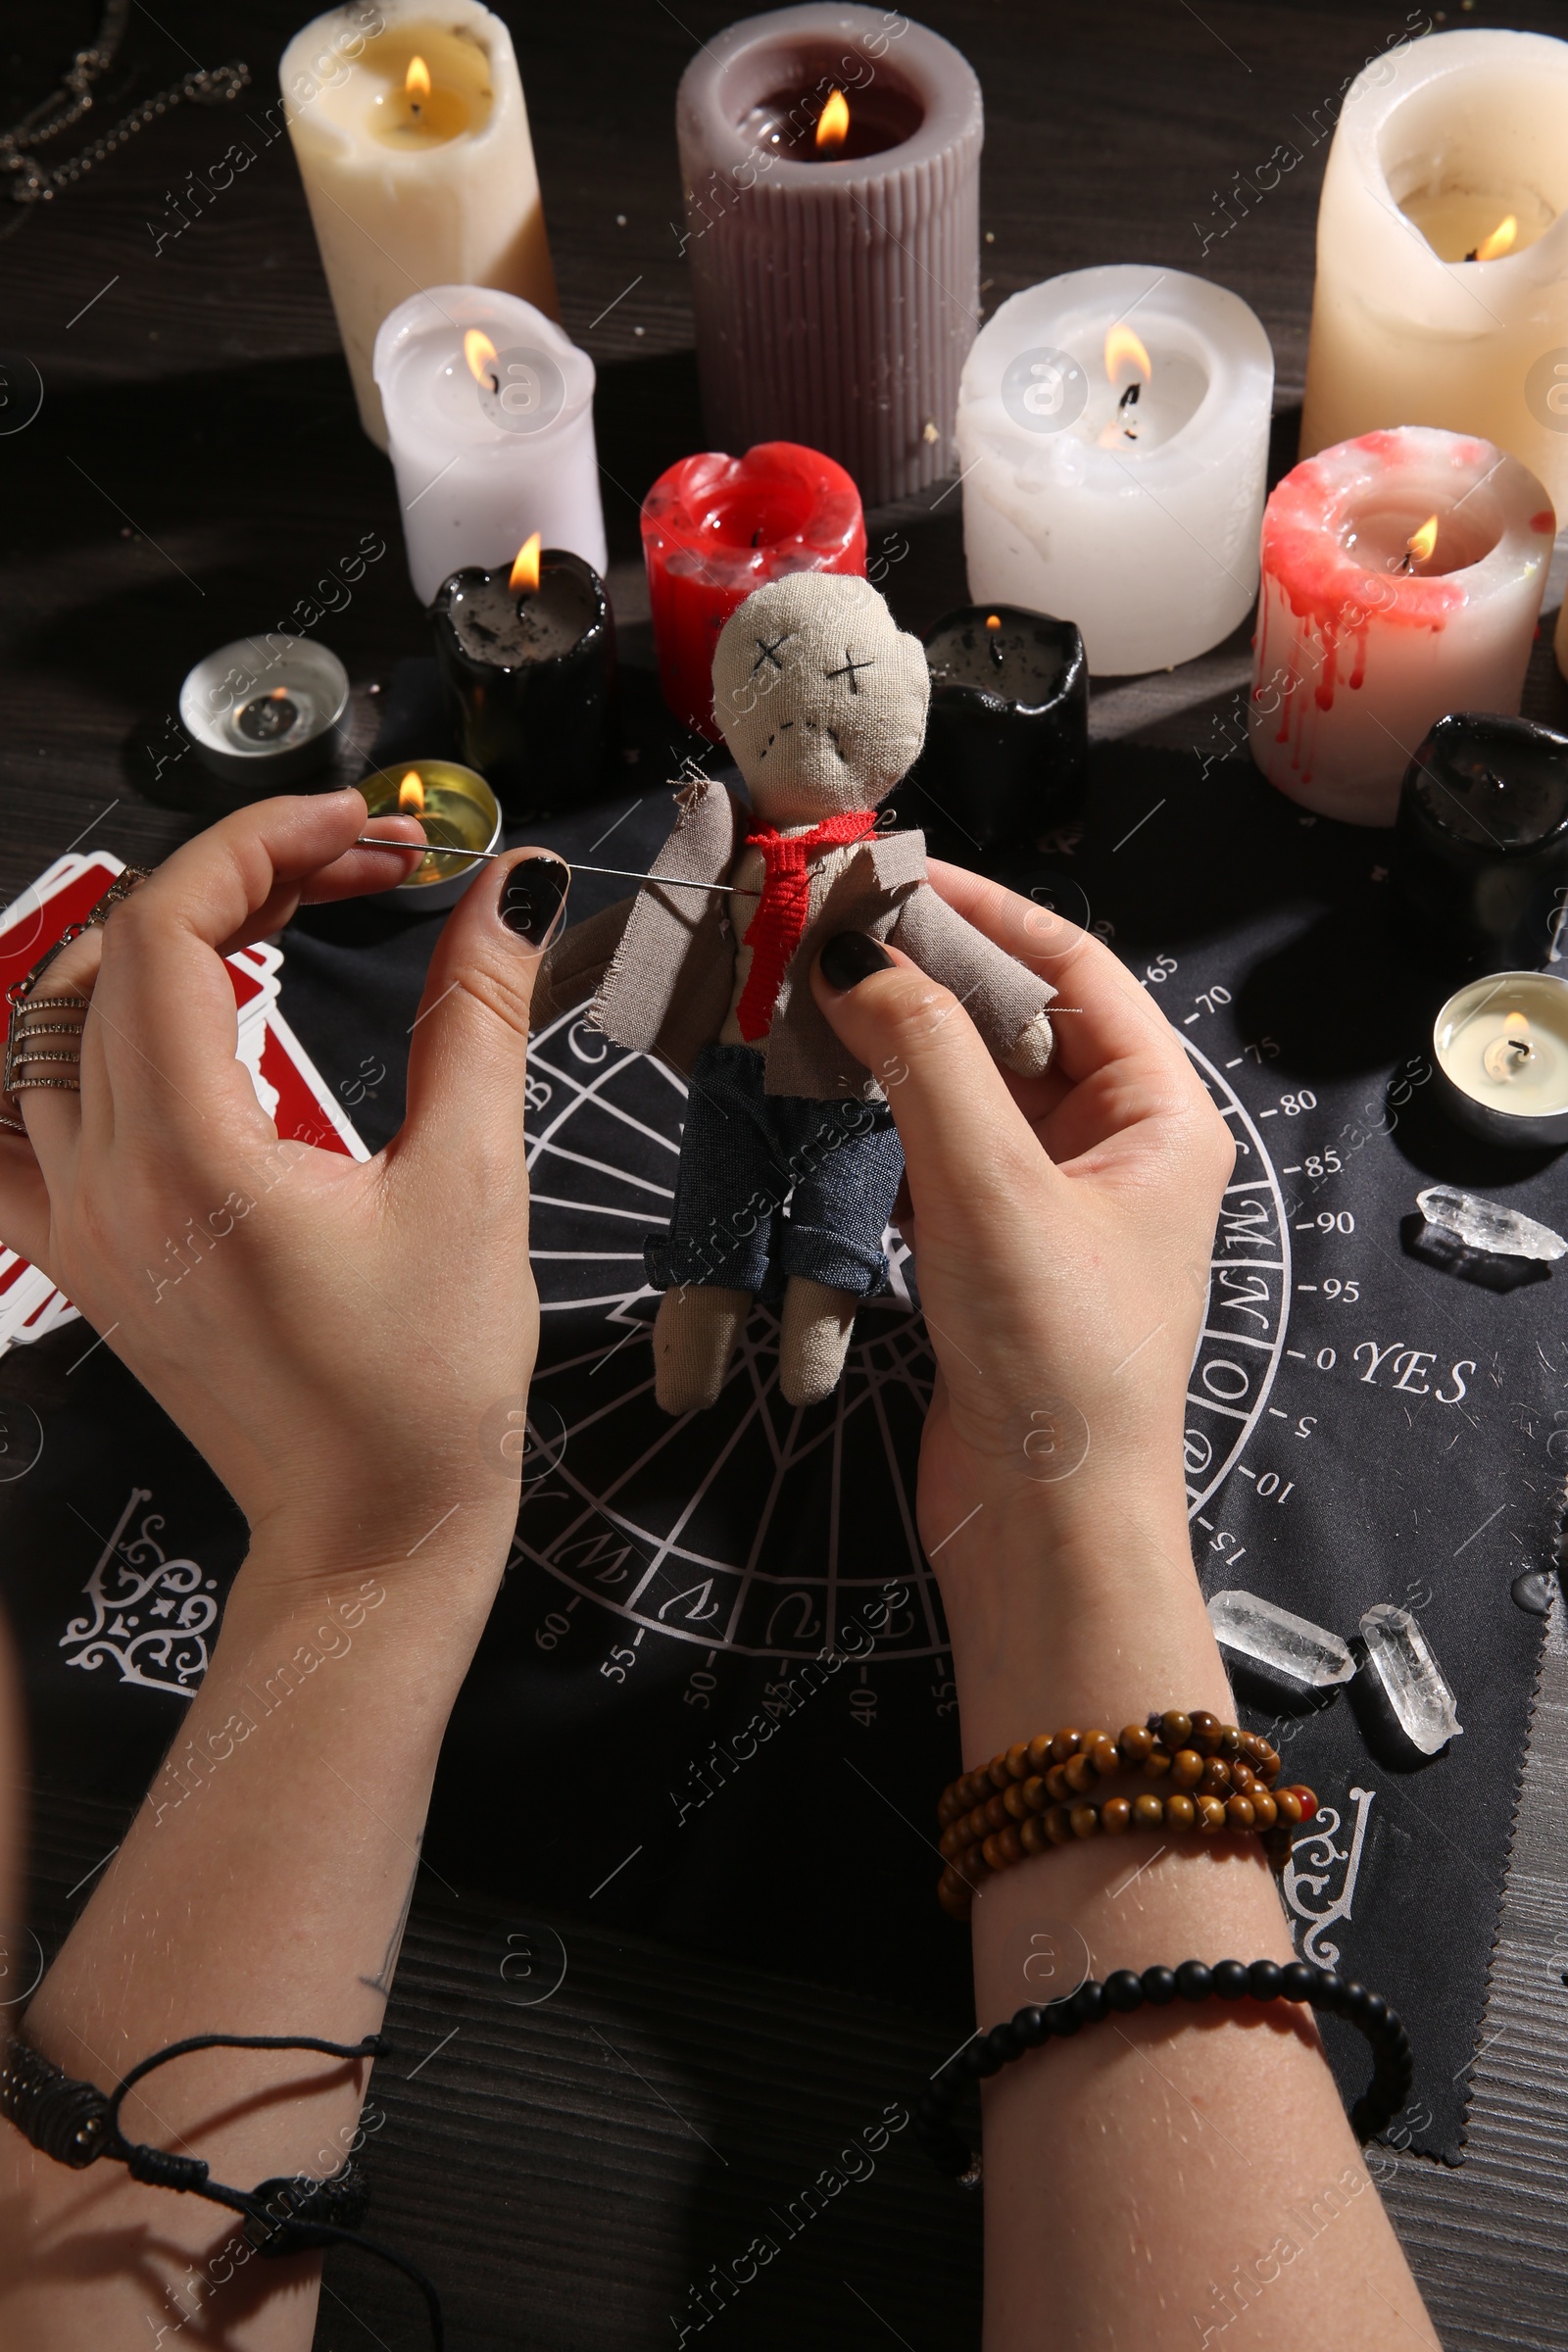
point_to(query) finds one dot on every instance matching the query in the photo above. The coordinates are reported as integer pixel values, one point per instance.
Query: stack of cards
(288, 1086)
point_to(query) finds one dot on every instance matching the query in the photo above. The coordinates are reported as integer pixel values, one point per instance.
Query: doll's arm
(573, 967)
(1005, 1002)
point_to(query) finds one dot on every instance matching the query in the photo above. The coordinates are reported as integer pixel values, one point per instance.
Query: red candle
(715, 528)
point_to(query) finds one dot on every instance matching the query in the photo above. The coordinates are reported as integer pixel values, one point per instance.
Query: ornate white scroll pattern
(1304, 1890)
(151, 1615)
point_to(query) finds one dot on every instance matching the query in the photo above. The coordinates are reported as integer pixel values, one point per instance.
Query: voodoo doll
(790, 1160)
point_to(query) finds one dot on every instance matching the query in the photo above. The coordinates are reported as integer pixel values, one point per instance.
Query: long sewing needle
(625, 873)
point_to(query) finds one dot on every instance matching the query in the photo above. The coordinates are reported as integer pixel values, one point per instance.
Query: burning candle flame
(1122, 344)
(410, 794)
(1420, 544)
(418, 81)
(1500, 241)
(833, 122)
(1516, 1024)
(479, 350)
(525, 570)
(993, 621)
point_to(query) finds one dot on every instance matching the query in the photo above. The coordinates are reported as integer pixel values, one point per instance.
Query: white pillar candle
(410, 185)
(1402, 577)
(1113, 443)
(489, 410)
(1439, 148)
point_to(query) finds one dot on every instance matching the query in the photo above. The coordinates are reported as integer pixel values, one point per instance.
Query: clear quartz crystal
(1488, 1225)
(1274, 1638)
(1411, 1676)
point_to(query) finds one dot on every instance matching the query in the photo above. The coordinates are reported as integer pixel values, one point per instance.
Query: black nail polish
(851, 958)
(530, 900)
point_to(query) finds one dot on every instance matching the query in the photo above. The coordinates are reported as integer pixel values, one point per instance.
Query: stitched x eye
(770, 653)
(849, 669)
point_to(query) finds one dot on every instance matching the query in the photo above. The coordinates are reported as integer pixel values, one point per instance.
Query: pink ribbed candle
(836, 283)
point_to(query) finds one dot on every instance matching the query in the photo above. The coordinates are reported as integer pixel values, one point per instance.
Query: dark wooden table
(568, 2170)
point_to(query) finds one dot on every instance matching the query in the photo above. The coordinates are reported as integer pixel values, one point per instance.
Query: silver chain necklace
(33, 182)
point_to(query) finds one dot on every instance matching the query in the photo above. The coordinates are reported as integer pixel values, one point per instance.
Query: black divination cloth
(714, 1700)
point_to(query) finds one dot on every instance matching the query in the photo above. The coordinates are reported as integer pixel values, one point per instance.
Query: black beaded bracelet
(1124, 1990)
(75, 2124)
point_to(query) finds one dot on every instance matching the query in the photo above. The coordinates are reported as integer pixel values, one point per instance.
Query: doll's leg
(695, 1331)
(850, 1162)
(729, 1190)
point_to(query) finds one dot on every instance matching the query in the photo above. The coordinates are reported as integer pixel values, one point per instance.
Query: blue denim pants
(774, 1185)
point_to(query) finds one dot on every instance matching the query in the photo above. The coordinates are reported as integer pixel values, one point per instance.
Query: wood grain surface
(570, 2170)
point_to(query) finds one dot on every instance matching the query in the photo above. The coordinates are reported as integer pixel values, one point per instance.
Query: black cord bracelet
(1095, 2003)
(75, 2124)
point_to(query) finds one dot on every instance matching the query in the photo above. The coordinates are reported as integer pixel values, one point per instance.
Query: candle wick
(1407, 561)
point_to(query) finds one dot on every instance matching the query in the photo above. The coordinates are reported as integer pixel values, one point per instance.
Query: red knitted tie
(775, 928)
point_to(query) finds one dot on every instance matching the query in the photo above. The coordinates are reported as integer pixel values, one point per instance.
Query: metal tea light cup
(1482, 1043)
(263, 718)
(459, 808)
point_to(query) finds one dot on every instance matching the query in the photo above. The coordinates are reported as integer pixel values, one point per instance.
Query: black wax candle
(1480, 846)
(527, 674)
(1007, 743)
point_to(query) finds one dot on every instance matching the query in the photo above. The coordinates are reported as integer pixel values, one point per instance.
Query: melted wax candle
(716, 527)
(831, 168)
(1402, 577)
(1114, 447)
(412, 139)
(1442, 249)
(1481, 848)
(1006, 741)
(525, 657)
(490, 412)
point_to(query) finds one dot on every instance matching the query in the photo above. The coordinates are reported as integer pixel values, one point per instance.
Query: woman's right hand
(344, 1342)
(1063, 1228)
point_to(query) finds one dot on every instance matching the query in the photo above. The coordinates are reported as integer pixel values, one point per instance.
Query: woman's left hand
(349, 1344)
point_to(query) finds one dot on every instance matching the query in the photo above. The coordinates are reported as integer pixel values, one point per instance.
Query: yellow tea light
(457, 809)
(1502, 1050)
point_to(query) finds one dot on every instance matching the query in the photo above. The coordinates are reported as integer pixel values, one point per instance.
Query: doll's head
(820, 695)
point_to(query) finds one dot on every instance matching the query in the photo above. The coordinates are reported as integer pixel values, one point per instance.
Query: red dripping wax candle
(714, 527)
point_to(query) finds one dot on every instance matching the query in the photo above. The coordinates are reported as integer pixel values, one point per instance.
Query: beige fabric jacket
(662, 963)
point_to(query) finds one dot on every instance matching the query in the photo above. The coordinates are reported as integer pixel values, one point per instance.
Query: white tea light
(489, 411)
(1114, 447)
(411, 137)
(1500, 1046)
(262, 712)
(1455, 145)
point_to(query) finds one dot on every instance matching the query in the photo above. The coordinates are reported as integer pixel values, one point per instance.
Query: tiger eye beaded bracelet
(1035, 1795)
